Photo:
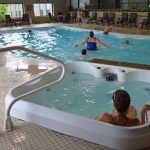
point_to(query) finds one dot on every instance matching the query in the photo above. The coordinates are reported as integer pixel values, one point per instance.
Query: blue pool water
(85, 95)
(60, 42)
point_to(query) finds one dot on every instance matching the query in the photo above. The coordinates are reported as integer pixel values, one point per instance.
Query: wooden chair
(93, 18)
(9, 21)
(123, 21)
(111, 18)
(60, 17)
(25, 19)
(67, 17)
(103, 19)
(52, 19)
(132, 20)
(146, 22)
(73, 17)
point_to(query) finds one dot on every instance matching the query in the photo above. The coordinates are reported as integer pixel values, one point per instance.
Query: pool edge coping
(119, 63)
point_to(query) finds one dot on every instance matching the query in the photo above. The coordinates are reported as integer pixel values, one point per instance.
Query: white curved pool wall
(85, 128)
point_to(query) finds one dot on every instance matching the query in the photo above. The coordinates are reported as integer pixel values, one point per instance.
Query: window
(14, 10)
(43, 9)
(83, 4)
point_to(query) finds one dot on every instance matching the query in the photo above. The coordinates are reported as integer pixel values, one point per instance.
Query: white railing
(8, 124)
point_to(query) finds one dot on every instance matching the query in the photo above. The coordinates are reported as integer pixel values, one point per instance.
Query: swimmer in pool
(83, 52)
(30, 31)
(92, 42)
(121, 100)
(126, 42)
(108, 29)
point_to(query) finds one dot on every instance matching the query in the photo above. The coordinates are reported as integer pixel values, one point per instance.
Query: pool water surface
(60, 42)
(85, 95)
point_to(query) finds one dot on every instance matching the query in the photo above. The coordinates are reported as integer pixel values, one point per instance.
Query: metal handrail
(8, 124)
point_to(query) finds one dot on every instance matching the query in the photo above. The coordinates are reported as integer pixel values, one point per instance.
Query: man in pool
(121, 100)
(108, 29)
(91, 42)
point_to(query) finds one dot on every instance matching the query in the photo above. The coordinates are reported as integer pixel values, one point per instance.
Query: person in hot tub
(92, 42)
(121, 100)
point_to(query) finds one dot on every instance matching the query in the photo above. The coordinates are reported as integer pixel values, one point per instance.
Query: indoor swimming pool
(59, 42)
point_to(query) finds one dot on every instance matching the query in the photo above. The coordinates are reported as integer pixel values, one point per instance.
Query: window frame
(23, 9)
(45, 9)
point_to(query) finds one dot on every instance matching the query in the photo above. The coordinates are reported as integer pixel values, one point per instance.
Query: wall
(59, 6)
(107, 4)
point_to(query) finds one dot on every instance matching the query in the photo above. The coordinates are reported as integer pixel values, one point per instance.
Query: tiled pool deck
(27, 136)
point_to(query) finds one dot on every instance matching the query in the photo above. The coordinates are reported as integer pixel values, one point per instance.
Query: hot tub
(82, 126)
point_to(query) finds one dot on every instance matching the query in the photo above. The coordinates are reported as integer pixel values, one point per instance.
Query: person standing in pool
(121, 100)
(92, 42)
(107, 29)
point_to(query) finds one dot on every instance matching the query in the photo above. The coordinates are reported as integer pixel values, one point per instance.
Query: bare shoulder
(105, 117)
(133, 122)
(87, 38)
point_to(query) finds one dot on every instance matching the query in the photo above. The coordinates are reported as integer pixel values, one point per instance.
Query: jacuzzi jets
(111, 77)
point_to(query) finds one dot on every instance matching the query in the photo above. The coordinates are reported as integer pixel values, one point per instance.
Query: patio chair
(132, 20)
(25, 19)
(123, 21)
(103, 19)
(146, 22)
(73, 17)
(67, 17)
(60, 17)
(111, 18)
(92, 19)
(9, 21)
(52, 19)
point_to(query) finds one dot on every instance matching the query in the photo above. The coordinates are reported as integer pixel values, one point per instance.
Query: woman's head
(121, 101)
(91, 34)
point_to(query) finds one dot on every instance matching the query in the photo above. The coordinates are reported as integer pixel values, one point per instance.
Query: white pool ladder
(8, 124)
